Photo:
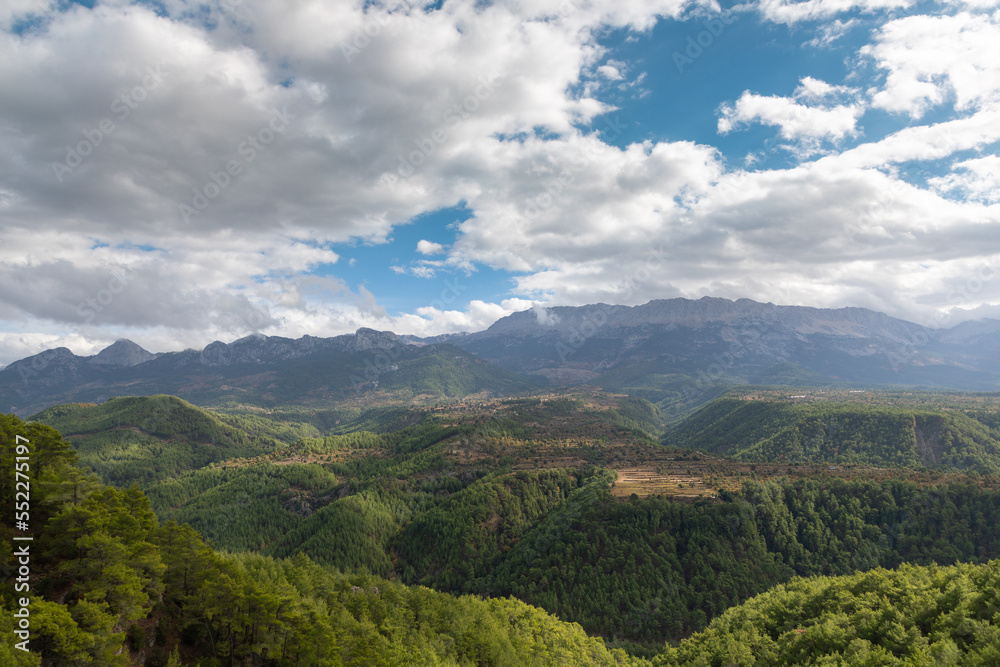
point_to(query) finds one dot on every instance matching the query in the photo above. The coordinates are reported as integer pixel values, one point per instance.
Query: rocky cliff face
(58, 360)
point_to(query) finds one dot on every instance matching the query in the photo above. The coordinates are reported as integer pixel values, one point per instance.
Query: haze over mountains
(675, 346)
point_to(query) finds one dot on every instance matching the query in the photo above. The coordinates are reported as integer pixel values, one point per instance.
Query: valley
(634, 524)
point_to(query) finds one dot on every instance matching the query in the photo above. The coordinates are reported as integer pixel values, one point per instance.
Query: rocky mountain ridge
(739, 341)
(668, 347)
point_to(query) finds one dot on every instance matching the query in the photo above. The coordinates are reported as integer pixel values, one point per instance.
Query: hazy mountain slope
(674, 352)
(693, 345)
(368, 366)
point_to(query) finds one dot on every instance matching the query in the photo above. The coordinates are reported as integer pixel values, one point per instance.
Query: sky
(176, 173)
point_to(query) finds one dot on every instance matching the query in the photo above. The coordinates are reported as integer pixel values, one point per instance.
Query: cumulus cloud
(816, 112)
(338, 123)
(977, 178)
(795, 11)
(611, 71)
(429, 248)
(796, 121)
(931, 59)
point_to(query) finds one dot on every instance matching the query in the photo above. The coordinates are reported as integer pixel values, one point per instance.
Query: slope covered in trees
(655, 568)
(146, 439)
(520, 498)
(842, 433)
(112, 586)
(638, 572)
(911, 616)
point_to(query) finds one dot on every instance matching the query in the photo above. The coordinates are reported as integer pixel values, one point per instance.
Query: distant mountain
(257, 370)
(685, 346)
(674, 352)
(123, 353)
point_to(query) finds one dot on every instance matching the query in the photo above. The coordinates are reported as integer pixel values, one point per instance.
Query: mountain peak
(370, 339)
(122, 353)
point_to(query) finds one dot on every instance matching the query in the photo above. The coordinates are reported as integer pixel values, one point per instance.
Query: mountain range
(666, 350)
(712, 339)
(258, 370)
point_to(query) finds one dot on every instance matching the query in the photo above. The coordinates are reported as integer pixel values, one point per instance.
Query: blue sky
(187, 172)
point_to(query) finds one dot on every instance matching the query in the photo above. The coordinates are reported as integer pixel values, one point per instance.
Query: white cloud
(573, 217)
(795, 120)
(794, 11)
(544, 317)
(579, 199)
(817, 90)
(429, 248)
(816, 112)
(977, 178)
(423, 271)
(610, 72)
(832, 31)
(928, 142)
(932, 59)
(15, 11)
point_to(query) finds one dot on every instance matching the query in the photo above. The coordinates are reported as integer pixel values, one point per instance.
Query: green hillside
(840, 433)
(112, 586)
(567, 502)
(911, 616)
(450, 372)
(443, 504)
(146, 439)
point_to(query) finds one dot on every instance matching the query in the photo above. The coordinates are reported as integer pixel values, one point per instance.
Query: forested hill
(843, 433)
(146, 439)
(912, 616)
(533, 497)
(112, 586)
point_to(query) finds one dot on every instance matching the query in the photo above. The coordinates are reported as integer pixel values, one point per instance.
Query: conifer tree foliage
(842, 433)
(145, 439)
(106, 569)
(910, 616)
